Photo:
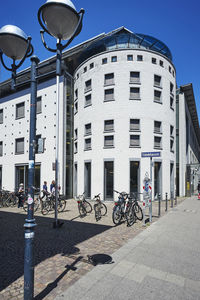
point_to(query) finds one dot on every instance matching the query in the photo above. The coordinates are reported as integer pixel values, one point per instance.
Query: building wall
(121, 110)
(13, 128)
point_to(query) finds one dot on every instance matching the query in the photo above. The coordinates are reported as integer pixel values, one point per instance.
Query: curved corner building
(124, 116)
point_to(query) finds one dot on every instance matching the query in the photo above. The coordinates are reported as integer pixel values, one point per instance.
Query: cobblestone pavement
(60, 255)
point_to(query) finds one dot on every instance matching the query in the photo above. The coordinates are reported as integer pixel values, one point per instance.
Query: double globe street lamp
(64, 23)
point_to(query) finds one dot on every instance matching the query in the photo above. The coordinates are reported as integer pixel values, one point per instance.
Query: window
(88, 144)
(171, 88)
(134, 77)
(104, 61)
(134, 141)
(1, 148)
(19, 146)
(171, 145)
(134, 124)
(157, 142)
(172, 102)
(108, 141)
(85, 70)
(20, 108)
(157, 127)
(139, 58)
(88, 129)
(39, 144)
(170, 69)
(109, 79)
(75, 107)
(171, 131)
(134, 93)
(157, 96)
(76, 134)
(161, 63)
(75, 147)
(113, 58)
(157, 81)
(76, 94)
(153, 60)
(1, 116)
(39, 105)
(88, 85)
(91, 65)
(130, 57)
(108, 125)
(88, 100)
(109, 95)
(77, 76)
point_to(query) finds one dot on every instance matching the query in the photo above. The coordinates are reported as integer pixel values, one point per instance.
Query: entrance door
(157, 179)
(134, 176)
(108, 180)
(88, 179)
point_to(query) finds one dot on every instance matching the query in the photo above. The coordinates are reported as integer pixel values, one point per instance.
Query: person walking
(20, 195)
(44, 189)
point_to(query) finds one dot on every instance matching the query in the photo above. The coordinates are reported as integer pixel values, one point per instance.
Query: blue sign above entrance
(150, 154)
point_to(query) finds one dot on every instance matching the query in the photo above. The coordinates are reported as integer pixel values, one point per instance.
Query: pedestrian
(20, 195)
(52, 186)
(44, 189)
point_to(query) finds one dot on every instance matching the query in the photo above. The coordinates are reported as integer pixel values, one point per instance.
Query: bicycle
(123, 209)
(84, 206)
(99, 207)
(4, 194)
(48, 203)
(136, 207)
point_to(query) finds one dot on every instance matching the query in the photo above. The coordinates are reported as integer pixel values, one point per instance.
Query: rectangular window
(130, 57)
(75, 147)
(170, 69)
(161, 63)
(1, 148)
(19, 146)
(171, 131)
(88, 129)
(157, 96)
(172, 102)
(109, 95)
(1, 116)
(134, 93)
(76, 94)
(88, 100)
(134, 177)
(139, 58)
(104, 61)
(76, 134)
(39, 105)
(85, 70)
(87, 179)
(134, 77)
(108, 141)
(157, 81)
(171, 88)
(157, 142)
(91, 65)
(108, 125)
(113, 58)
(75, 107)
(88, 85)
(88, 144)
(134, 124)
(153, 60)
(108, 180)
(157, 127)
(134, 141)
(172, 145)
(20, 110)
(109, 79)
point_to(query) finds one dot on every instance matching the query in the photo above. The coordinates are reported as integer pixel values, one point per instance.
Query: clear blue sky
(175, 22)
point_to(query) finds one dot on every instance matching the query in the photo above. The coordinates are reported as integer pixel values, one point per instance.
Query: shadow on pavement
(47, 243)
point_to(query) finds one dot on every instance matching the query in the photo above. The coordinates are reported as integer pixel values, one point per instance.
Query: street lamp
(16, 45)
(59, 19)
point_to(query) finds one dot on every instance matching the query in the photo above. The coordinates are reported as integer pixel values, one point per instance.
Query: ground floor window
(157, 178)
(75, 179)
(108, 180)
(87, 173)
(134, 176)
(21, 173)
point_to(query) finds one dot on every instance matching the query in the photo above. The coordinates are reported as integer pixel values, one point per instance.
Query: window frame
(16, 141)
(17, 117)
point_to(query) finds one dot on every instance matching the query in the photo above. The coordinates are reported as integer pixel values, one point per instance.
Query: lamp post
(16, 45)
(59, 19)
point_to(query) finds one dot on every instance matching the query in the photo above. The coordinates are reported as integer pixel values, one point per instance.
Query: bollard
(175, 202)
(166, 200)
(159, 204)
(172, 200)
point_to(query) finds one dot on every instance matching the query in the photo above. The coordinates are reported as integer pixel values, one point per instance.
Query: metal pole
(58, 74)
(159, 204)
(166, 200)
(150, 206)
(30, 221)
(171, 199)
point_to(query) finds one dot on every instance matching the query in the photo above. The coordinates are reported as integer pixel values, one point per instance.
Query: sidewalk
(162, 262)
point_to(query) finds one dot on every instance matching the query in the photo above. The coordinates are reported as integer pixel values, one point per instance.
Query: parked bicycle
(136, 207)
(123, 209)
(5, 198)
(99, 207)
(48, 203)
(84, 207)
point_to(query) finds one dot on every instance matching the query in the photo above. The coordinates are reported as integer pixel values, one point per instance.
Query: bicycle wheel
(82, 210)
(138, 211)
(88, 206)
(130, 216)
(103, 209)
(97, 210)
(45, 207)
(116, 215)
(36, 204)
(61, 205)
